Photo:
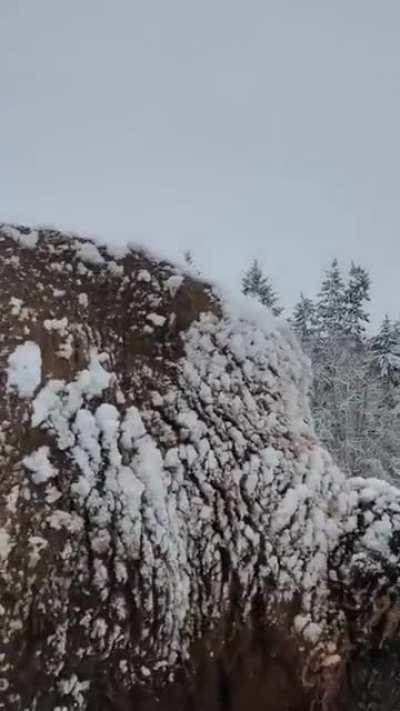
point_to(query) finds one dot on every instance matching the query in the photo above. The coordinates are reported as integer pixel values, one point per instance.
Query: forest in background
(355, 397)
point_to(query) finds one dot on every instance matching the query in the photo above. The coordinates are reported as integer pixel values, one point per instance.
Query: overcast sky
(238, 129)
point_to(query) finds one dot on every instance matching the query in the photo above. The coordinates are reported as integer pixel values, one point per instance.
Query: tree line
(356, 374)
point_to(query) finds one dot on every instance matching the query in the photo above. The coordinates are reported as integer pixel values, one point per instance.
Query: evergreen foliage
(304, 318)
(331, 309)
(356, 394)
(257, 285)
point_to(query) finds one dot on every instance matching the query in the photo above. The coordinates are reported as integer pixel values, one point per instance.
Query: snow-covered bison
(172, 536)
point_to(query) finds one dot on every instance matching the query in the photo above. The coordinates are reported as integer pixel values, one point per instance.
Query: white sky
(238, 129)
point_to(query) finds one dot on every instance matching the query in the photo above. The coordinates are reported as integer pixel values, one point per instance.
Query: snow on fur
(165, 479)
(24, 369)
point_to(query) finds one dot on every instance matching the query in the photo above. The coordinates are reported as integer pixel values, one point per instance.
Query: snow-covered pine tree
(188, 257)
(386, 348)
(388, 337)
(381, 440)
(190, 262)
(331, 309)
(341, 371)
(303, 319)
(356, 393)
(257, 285)
(357, 293)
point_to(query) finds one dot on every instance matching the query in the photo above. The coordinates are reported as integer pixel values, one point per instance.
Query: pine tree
(340, 398)
(188, 257)
(303, 319)
(385, 340)
(190, 262)
(382, 446)
(357, 293)
(331, 305)
(386, 347)
(257, 285)
(356, 383)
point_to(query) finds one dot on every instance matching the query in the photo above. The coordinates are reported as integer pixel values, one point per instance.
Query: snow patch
(95, 379)
(144, 275)
(89, 253)
(156, 319)
(6, 545)
(173, 284)
(24, 371)
(27, 238)
(83, 300)
(59, 325)
(39, 464)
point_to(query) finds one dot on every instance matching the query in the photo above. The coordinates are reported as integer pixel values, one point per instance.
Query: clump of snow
(17, 305)
(40, 465)
(156, 319)
(24, 371)
(115, 269)
(83, 300)
(47, 401)
(95, 379)
(6, 544)
(132, 428)
(244, 308)
(89, 253)
(27, 238)
(56, 402)
(144, 275)
(173, 284)
(117, 251)
(54, 324)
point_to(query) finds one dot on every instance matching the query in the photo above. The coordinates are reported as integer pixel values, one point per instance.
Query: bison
(172, 535)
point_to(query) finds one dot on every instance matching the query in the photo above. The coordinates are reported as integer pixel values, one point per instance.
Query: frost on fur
(164, 500)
